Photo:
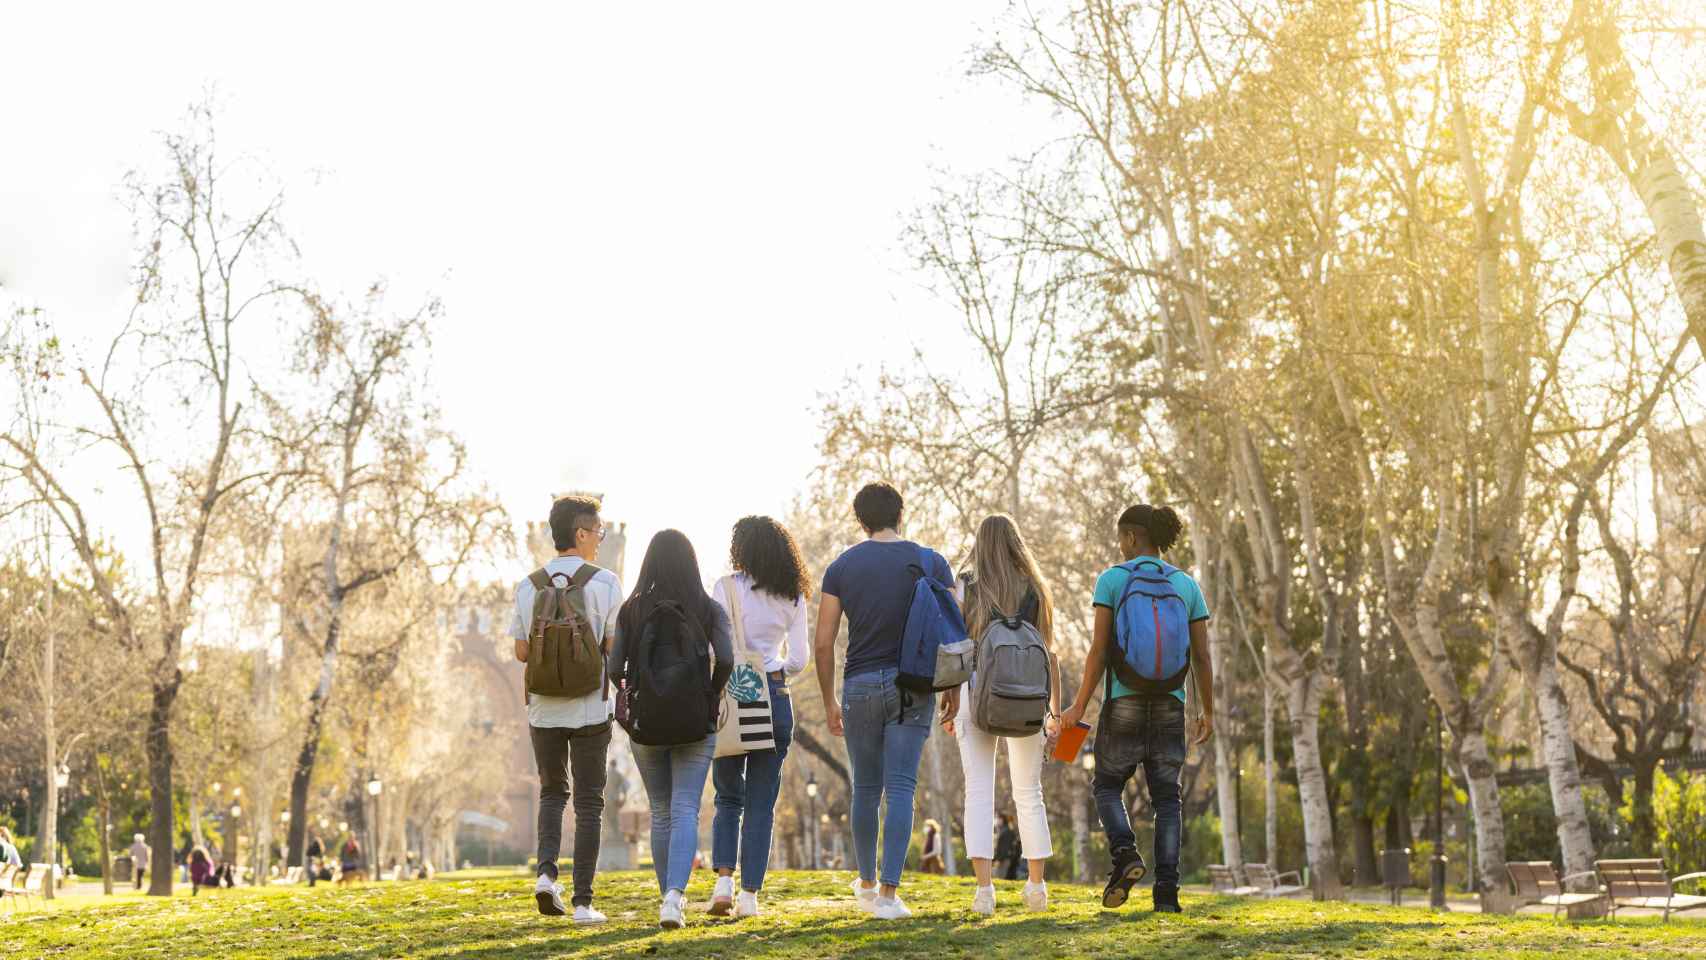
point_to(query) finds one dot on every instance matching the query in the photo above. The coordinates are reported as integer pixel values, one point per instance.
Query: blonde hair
(1002, 568)
(5, 835)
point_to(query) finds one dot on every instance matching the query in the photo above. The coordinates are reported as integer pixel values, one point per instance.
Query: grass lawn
(808, 915)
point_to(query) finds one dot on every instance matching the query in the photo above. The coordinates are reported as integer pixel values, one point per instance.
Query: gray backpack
(1011, 691)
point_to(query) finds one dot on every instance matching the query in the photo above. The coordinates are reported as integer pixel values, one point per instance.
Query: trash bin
(122, 865)
(1395, 872)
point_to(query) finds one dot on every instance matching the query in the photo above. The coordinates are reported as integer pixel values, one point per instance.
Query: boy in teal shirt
(1138, 729)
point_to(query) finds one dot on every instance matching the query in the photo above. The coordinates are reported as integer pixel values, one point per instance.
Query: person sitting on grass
(1143, 724)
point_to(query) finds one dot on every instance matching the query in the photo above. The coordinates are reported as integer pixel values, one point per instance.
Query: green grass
(808, 915)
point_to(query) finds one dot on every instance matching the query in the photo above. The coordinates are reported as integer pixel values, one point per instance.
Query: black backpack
(666, 699)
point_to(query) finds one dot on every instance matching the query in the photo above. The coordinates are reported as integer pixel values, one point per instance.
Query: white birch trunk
(1303, 706)
(1270, 785)
(943, 806)
(1558, 746)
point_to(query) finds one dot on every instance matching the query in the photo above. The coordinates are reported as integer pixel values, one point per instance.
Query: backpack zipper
(1155, 608)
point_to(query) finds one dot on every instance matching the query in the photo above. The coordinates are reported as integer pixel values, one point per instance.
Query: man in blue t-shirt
(885, 727)
(1143, 730)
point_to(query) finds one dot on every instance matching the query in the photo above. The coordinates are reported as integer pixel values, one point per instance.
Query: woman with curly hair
(771, 586)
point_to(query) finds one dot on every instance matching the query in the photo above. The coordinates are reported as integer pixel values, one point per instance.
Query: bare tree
(200, 273)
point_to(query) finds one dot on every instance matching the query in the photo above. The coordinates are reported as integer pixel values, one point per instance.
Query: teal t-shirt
(1111, 585)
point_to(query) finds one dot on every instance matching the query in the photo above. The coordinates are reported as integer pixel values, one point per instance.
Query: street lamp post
(374, 788)
(236, 840)
(811, 794)
(1436, 886)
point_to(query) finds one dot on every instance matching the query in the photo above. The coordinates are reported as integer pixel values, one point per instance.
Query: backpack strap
(540, 578)
(584, 574)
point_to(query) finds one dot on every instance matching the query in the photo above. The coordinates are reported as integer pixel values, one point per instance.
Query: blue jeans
(1146, 732)
(885, 737)
(747, 785)
(675, 780)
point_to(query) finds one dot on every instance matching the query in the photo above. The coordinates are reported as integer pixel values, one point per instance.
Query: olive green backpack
(565, 655)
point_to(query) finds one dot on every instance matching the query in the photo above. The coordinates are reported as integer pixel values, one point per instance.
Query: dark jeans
(747, 786)
(1147, 732)
(562, 754)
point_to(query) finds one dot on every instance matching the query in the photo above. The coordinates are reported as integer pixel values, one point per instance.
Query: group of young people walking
(699, 680)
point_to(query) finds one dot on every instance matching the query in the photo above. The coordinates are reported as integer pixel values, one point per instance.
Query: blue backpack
(933, 620)
(1153, 631)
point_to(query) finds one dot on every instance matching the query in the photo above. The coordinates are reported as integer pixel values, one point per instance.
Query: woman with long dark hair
(769, 588)
(674, 775)
(1003, 581)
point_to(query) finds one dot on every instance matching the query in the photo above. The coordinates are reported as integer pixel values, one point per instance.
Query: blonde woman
(1003, 581)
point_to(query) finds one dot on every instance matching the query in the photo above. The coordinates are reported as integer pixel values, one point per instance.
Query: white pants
(1024, 767)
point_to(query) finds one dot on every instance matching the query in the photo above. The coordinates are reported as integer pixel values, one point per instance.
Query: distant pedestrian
(201, 870)
(1007, 849)
(316, 853)
(930, 858)
(139, 858)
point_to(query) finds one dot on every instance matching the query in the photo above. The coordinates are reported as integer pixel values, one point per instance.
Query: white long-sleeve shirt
(774, 628)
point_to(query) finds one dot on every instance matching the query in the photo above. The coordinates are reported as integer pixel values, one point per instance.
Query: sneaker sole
(721, 908)
(592, 923)
(548, 905)
(1118, 893)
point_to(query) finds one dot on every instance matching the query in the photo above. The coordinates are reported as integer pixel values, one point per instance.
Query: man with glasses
(571, 735)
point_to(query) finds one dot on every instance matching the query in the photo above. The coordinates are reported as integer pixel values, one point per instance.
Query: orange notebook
(1070, 742)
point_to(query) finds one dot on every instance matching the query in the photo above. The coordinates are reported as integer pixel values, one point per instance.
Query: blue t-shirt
(875, 587)
(1110, 586)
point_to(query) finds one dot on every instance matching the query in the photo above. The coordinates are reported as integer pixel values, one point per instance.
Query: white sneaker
(722, 897)
(891, 908)
(549, 896)
(1036, 896)
(983, 902)
(586, 916)
(747, 904)
(865, 897)
(669, 915)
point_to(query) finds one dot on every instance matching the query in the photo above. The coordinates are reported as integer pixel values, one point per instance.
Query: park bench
(29, 890)
(1645, 883)
(1536, 882)
(1271, 884)
(1223, 880)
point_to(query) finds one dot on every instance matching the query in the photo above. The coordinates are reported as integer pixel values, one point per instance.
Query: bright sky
(673, 224)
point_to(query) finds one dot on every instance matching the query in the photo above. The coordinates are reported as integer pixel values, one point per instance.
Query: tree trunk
(1362, 837)
(300, 778)
(161, 835)
(106, 846)
(1081, 818)
(47, 843)
(1575, 840)
(1225, 766)
(1645, 834)
(1303, 703)
(944, 806)
(1478, 771)
(1646, 161)
(1270, 786)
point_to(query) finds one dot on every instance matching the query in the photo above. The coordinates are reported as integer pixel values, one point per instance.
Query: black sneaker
(1166, 898)
(1128, 870)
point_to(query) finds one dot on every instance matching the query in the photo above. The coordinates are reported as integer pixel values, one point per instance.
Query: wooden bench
(1223, 880)
(1535, 881)
(1645, 883)
(1271, 884)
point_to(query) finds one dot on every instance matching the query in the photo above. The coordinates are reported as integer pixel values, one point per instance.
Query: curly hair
(1161, 526)
(764, 550)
